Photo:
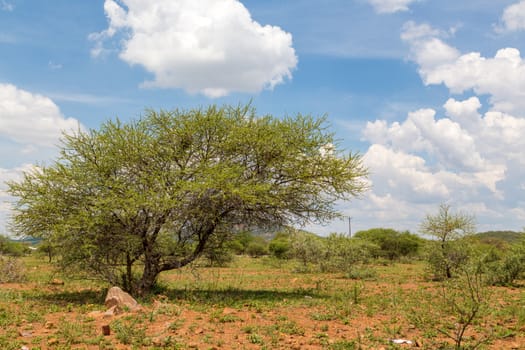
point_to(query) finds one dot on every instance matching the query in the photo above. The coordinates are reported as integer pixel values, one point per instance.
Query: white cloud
(390, 6)
(513, 18)
(31, 119)
(443, 139)
(212, 47)
(6, 6)
(54, 66)
(474, 160)
(502, 77)
(13, 174)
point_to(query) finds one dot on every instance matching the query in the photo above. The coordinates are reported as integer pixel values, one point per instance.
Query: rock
(24, 347)
(25, 334)
(114, 310)
(116, 297)
(57, 282)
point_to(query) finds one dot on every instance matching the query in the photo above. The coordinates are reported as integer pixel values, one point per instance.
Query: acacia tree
(448, 250)
(130, 200)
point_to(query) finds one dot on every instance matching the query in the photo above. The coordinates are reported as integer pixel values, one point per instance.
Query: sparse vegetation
(250, 302)
(11, 270)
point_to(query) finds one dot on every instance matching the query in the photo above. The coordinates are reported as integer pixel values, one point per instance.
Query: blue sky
(431, 93)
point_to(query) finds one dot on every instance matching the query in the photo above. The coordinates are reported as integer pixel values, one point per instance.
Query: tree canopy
(392, 244)
(449, 230)
(129, 200)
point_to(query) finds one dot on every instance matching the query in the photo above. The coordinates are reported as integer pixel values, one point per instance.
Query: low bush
(11, 270)
(8, 247)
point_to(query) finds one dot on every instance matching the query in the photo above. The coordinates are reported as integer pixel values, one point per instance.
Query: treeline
(501, 255)
(9, 247)
(335, 253)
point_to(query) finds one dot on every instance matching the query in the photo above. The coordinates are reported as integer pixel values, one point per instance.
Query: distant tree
(449, 248)
(281, 245)
(240, 241)
(392, 244)
(12, 248)
(48, 249)
(308, 249)
(257, 247)
(130, 200)
(344, 254)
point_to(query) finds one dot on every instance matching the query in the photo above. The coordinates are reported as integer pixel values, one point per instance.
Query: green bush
(509, 267)
(257, 248)
(446, 258)
(392, 244)
(308, 249)
(240, 242)
(343, 254)
(335, 253)
(8, 247)
(280, 246)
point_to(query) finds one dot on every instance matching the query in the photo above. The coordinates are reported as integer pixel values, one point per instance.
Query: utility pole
(350, 226)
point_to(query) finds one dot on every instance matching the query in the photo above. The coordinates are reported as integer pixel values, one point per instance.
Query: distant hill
(506, 236)
(28, 240)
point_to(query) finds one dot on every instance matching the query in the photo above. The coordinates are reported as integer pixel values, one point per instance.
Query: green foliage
(151, 193)
(495, 236)
(257, 247)
(240, 241)
(12, 248)
(279, 248)
(335, 253)
(130, 333)
(508, 266)
(281, 245)
(466, 298)
(48, 249)
(308, 249)
(343, 254)
(450, 247)
(392, 244)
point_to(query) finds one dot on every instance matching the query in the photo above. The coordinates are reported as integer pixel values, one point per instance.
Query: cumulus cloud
(212, 47)
(30, 128)
(502, 77)
(513, 18)
(12, 174)
(31, 119)
(390, 6)
(469, 155)
(475, 159)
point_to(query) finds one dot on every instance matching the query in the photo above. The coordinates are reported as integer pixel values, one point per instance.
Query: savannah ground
(257, 303)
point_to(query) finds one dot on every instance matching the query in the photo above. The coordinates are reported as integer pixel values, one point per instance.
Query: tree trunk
(148, 279)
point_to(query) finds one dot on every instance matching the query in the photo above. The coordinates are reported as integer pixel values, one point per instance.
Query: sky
(431, 93)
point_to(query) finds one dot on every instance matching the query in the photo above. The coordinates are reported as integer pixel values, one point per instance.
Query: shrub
(8, 247)
(392, 244)
(343, 254)
(258, 247)
(240, 242)
(308, 249)
(445, 258)
(509, 267)
(11, 270)
(280, 246)
(451, 246)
